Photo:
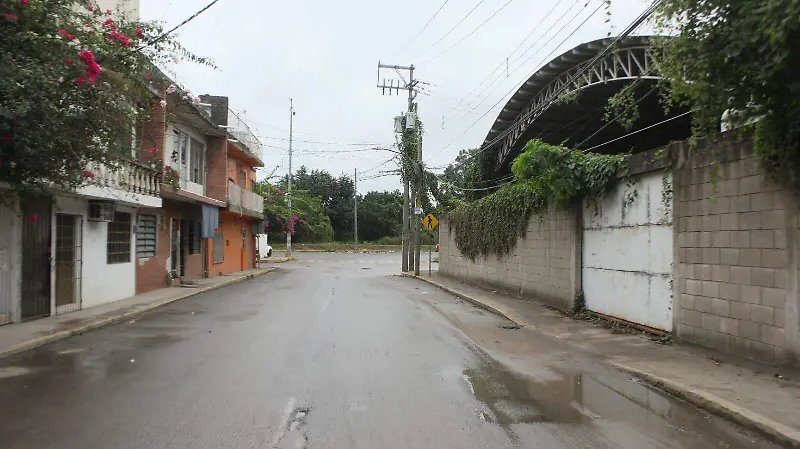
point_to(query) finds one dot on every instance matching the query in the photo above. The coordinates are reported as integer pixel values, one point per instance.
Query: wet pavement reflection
(617, 412)
(353, 359)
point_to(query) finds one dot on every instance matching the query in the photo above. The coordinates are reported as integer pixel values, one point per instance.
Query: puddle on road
(621, 412)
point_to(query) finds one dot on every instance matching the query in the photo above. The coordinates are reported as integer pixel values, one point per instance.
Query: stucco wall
(102, 282)
(545, 265)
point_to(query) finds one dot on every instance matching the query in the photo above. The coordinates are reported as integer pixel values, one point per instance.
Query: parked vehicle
(263, 249)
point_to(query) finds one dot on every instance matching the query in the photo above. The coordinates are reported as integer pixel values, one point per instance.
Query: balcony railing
(242, 132)
(127, 176)
(244, 201)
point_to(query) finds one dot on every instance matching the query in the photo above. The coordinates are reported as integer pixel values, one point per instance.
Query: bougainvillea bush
(75, 81)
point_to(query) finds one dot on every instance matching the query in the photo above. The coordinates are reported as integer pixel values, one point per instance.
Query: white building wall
(628, 253)
(130, 8)
(102, 282)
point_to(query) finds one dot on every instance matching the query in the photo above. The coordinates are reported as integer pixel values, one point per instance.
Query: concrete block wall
(545, 265)
(736, 235)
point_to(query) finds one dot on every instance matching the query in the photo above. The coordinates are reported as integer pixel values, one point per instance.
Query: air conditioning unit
(101, 210)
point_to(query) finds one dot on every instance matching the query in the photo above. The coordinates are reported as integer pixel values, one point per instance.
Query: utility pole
(289, 178)
(408, 218)
(355, 209)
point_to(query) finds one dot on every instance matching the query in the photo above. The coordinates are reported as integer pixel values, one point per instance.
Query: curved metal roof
(550, 72)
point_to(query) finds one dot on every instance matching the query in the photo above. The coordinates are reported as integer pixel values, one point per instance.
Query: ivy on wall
(545, 175)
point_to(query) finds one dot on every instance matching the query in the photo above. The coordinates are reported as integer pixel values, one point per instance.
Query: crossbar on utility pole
(408, 217)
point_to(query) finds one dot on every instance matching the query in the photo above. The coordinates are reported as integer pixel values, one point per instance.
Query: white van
(263, 250)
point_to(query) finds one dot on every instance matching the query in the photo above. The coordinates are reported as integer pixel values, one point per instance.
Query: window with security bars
(219, 246)
(118, 246)
(146, 236)
(197, 167)
(194, 237)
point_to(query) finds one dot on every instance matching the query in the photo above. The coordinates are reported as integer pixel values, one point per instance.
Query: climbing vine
(546, 175)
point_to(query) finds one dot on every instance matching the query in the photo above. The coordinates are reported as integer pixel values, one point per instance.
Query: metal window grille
(194, 237)
(118, 246)
(219, 246)
(197, 161)
(146, 235)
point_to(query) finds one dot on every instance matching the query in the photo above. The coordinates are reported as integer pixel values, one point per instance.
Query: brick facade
(544, 265)
(737, 243)
(152, 135)
(153, 273)
(217, 176)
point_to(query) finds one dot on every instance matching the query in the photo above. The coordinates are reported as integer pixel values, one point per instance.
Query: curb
(781, 433)
(280, 260)
(105, 322)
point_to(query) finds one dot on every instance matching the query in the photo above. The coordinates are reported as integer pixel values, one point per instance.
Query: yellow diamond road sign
(430, 222)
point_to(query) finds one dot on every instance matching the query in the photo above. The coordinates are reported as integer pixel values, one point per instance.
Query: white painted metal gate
(8, 228)
(627, 253)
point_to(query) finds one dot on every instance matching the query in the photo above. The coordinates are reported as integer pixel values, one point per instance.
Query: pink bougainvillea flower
(66, 34)
(24, 2)
(163, 103)
(10, 16)
(116, 36)
(80, 81)
(7, 138)
(147, 76)
(108, 23)
(33, 218)
(93, 69)
(68, 61)
(139, 33)
(108, 12)
(87, 174)
(89, 6)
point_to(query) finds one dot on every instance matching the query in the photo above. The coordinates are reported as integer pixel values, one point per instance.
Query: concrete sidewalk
(16, 338)
(745, 392)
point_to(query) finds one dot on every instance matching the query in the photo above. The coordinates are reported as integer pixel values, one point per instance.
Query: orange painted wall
(236, 258)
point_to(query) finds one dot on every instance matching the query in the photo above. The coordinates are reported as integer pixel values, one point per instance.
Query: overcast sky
(324, 55)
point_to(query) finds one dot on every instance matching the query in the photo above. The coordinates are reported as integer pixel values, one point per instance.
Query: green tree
(742, 57)
(75, 81)
(307, 221)
(380, 214)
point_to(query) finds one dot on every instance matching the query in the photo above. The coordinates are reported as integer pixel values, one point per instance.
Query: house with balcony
(232, 178)
(172, 243)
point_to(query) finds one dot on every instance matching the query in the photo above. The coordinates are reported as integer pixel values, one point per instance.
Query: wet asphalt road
(331, 351)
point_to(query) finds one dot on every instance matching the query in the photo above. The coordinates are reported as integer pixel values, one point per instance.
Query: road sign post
(430, 222)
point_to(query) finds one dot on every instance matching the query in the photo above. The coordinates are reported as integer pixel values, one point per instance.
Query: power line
(187, 20)
(610, 122)
(535, 27)
(631, 27)
(325, 143)
(537, 52)
(477, 189)
(484, 147)
(422, 29)
(470, 33)
(640, 130)
(454, 27)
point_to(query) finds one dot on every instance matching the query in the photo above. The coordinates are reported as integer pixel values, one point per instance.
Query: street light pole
(355, 209)
(289, 178)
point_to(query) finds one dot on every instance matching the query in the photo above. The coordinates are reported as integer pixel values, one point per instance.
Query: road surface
(332, 351)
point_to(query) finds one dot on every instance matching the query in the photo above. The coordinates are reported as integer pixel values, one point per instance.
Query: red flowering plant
(73, 82)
